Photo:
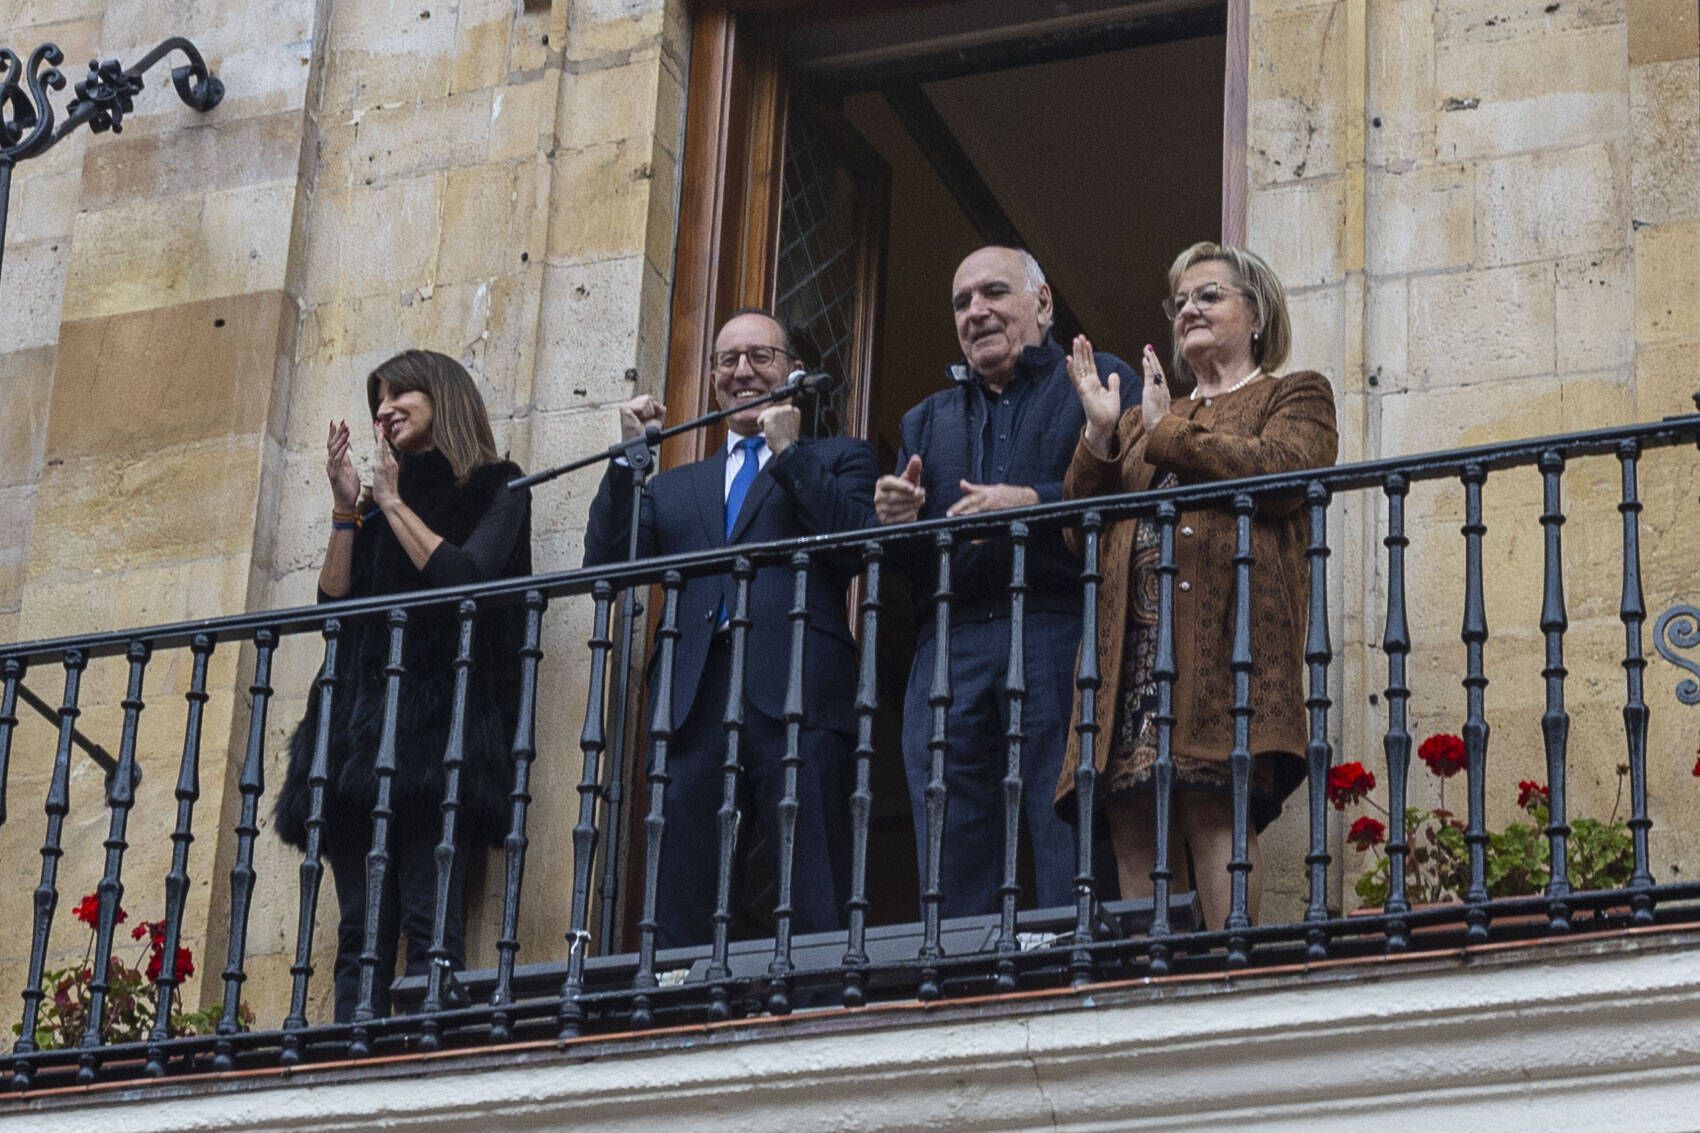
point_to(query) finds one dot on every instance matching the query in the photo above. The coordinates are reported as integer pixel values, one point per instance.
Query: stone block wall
(1486, 214)
(491, 179)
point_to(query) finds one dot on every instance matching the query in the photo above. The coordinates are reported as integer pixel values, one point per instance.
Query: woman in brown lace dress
(1227, 413)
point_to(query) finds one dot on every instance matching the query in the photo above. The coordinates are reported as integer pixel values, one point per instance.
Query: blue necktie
(746, 475)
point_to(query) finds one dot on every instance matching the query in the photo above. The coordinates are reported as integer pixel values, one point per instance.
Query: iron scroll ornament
(1679, 628)
(27, 116)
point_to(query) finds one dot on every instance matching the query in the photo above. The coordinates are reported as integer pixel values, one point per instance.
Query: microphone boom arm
(798, 383)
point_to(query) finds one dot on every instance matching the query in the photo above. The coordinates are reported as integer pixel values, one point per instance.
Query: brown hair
(460, 425)
(1272, 338)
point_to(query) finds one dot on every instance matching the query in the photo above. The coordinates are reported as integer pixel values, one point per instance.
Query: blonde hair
(1272, 336)
(460, 425)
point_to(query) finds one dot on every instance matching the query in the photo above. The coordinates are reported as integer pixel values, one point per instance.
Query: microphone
(800, 382)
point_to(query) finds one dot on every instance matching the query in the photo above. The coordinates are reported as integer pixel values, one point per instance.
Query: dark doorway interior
(1095, 142)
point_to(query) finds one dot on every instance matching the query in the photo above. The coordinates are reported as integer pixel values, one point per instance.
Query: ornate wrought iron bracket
(28, 125)
(1679, 628)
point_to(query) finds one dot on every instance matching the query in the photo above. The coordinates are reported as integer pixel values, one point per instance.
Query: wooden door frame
(728, 230)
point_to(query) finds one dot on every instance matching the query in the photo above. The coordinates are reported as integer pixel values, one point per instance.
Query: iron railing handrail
(1089, 949)
(1218, 493)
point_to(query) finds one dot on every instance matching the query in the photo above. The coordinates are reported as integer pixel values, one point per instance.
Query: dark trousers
(407, 906)
(690, 848)
(977, 755)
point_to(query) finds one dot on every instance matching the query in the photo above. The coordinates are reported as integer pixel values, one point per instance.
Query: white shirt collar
(732, 440)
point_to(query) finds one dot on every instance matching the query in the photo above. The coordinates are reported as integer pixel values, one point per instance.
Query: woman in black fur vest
(438, 514)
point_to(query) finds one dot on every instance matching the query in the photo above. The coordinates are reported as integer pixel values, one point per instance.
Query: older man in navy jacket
(1000, 436)
(765, 484)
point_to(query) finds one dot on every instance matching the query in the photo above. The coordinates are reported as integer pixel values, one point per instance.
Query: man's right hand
(899, 499)
(638, 414)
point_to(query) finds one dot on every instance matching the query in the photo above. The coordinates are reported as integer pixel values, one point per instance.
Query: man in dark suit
(999, 436)
(764, 484)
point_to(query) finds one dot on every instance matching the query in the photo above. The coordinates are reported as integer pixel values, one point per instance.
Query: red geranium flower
(88, 911)
(1530, 792)
(185, 963)
(1348, 783)
(1366, 833)
(1444, 755)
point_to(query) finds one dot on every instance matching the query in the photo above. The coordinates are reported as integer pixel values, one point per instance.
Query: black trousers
(976, 754)
(690, 847)
(406, 908)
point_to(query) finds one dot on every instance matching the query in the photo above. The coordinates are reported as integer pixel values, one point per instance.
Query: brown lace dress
(1132, 758)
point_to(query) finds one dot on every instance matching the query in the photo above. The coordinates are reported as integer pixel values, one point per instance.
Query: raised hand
(386, 471)
(781, 425)
(899, 499)
(1154, 400)
(1101, 401)
(638, 414)
(339, 468)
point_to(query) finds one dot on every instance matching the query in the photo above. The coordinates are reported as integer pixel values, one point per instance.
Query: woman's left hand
(1154, 399)
(386, 472)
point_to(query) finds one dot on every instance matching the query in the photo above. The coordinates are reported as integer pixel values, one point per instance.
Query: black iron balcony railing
(551, 998)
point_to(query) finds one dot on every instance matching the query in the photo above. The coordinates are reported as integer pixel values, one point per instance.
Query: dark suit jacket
(813, 488)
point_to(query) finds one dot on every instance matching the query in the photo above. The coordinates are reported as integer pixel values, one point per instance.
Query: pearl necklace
(1241, 384)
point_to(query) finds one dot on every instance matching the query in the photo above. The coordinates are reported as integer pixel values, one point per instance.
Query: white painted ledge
(1573, 1037)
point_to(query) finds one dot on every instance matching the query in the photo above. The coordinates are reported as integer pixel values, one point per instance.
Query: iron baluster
(14, 675)
(1239, 755)
(1396, 643)
(1555, 721)
(250, 784)
(1164, 671)
(188, 791)
(1015, 689)
(862, 797)
(933, 797)
(447, 850)
(780, 968)
(1088, 678)
(57, 806)
(1319, 754)
(1475, 635)
(312, 869)
(728, 816)
(1633, 614)
(121, 796)
(378, 855)
(641, 456)
(655, 823)
(592, 743)
(515, 843)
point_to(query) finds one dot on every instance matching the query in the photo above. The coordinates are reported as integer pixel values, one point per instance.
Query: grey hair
(1032, 274)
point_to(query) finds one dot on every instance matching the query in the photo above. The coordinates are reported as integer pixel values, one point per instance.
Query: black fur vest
(381, 566)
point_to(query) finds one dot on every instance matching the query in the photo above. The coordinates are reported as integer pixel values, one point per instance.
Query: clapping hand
(991, 497)
(386, 471)
(1101, 401)
(339, 469)
(1154, 400)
